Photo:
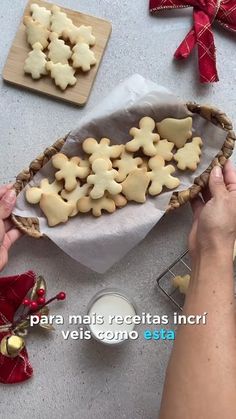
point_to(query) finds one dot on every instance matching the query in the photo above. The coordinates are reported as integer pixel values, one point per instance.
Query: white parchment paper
(100, 242)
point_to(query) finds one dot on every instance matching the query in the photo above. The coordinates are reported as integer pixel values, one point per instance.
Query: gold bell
(11, 345)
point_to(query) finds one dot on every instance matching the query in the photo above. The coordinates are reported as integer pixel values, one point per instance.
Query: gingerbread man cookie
(103, 179)
(178, 131)
(160, 175)
(33, 195)
(41, 15)
(74, 196)
(143, 137)
(126, 164)
(83, 57)
(101, 150)
(135, 185)
(188, 157)
(36, 32)
(80, 34)
(59, 21)
(55, 209)
(87, 204)
(164, 149)
(35, 63)
(59, 52)
(69, 170)
(63, 74)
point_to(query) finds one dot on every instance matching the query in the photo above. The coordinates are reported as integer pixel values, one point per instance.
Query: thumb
(216, 182)
(7, 204)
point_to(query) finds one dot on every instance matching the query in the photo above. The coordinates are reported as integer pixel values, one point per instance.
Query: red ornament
(205, 12)
(33, 305)
(40, 292)
(41, 301)
(13, 290)
(26, 302)
(61, 296)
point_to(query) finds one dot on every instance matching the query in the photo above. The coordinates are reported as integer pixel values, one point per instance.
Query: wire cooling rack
(181, 266)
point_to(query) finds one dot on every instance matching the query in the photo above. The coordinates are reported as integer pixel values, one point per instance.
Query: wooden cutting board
(13, 71)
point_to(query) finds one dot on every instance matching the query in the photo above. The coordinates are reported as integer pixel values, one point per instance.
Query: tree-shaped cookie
(80, 34)
(103, 179)
(63, 74)
(105, 203)
(69, 170)
(188, 157)
(36, 32)
(59, 52)
(33, 195)
(41, 15)
(74, 196)
(177, 131)
(35, 63)
(126, 164)
(101, 150)
(135, 185)
(60, 21)
(144, 137)
(55, 209)
(164, 149)
(160, 175)
(83, 57)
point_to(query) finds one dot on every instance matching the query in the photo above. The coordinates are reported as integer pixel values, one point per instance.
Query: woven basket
(30, 226)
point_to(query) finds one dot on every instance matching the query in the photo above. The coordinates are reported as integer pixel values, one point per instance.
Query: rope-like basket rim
(30, 226)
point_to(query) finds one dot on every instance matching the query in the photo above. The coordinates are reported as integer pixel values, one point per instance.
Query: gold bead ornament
(11, 345)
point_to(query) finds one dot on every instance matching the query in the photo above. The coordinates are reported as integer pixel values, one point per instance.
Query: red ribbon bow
(205, 12)
(12, 292)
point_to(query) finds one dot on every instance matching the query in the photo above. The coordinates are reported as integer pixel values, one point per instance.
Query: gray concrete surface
(79, 379)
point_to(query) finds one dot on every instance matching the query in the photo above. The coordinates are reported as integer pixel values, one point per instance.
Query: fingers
(230, 176)
(8, 239)
(4, 189)
(216, 182)
(197, 206)
(7, 204)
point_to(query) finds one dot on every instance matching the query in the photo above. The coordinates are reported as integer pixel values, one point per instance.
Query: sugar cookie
(182, 282)
(87, 204)
(55, 209)
(74, 196)
(160, 175)
(188, 157)
(135, 185)
(41, 15)
(126, 164)
(63, 74)
(143, 137)
(178, 131)
(59, 21)
(80, 34)
(33, 195)
(36, 32)
(119, 199)
(59, 52)
(70, 170)
(35, 63)
(164, 149)
(83, 57)
(101, 150)
(103, 179)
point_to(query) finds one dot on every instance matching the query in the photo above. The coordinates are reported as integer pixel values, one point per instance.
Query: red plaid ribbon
(13, 290)
(205, 12)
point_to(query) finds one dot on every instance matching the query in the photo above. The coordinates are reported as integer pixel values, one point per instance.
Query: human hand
(8, 234)
(214, 216)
